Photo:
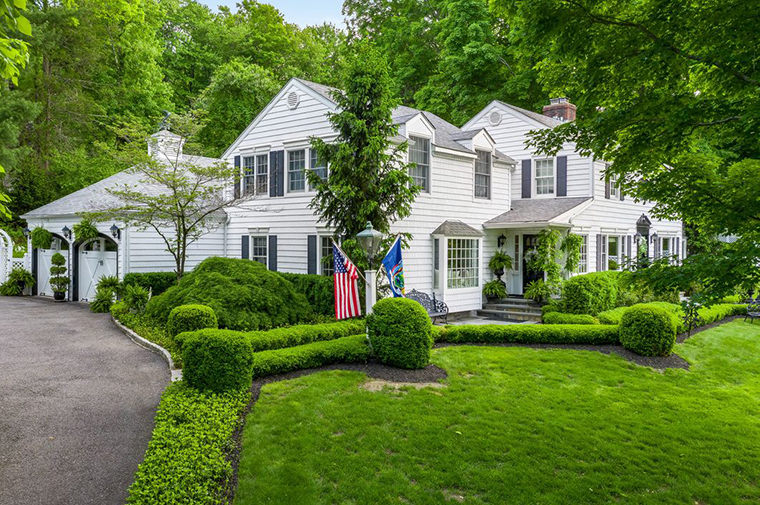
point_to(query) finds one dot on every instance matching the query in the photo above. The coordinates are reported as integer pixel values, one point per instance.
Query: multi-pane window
(517, 253)
(326, 257)
(262, 174)
(665, 250)
(317, 166)
(249, 175)
(436, 263)
(613, 252)
(296, 170)
(419, 154)
(483, 175)
(604, 253)
(259, 249)
(544, 177)
(463, 267)
(583, 263)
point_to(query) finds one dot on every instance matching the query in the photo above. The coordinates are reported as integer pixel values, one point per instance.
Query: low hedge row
(528, 334)
(290, 336)
(187, 457)
(707, 315)
(562, 318)
(342, 350)
(614, 316)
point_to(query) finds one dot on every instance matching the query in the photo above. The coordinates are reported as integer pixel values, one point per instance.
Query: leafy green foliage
(318, 289)
(648, 330)
(148, 329)
(41, 238)
(190, 318)
(368, 180)
(399, 331)
(500, 261)
(112, 282)
(561, 318)
(544, 257)
(615, 316)
(244, 295)
(104, 299)
(538, 290)
(352, 349)
(17, 280)
(187, 460)
(571, 246)
(136, 298)
(530, 334)
(58, 279)
(590, 293)
(217, 362)
(14, 51)
(495, 289)
(85, 230)
(155, 282)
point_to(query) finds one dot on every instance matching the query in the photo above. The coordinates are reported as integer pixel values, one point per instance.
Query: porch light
(638, 236)
(27, 232)
(114, 230)
(654, 237)
(501, 241)
(370, 239)
(66, 232)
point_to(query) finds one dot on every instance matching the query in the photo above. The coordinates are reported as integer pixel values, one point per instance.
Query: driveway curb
(151, 346)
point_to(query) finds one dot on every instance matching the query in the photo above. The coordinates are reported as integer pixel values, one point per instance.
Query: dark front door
(530, 242)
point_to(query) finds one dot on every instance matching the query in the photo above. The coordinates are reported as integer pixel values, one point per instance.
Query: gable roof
(456, 228)
(528, 115)
(96, 197)
(539, 211)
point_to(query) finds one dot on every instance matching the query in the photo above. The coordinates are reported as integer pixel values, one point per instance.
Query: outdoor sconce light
(27, 232)
(66, 232)
(115, 232)
(654, 237)
(370, 239)
(501, 241)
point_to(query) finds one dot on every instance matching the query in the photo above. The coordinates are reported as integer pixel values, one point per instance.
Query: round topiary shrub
(590, 293)
(648, 330)
(217, 361)
(190, 318)
(400, 333)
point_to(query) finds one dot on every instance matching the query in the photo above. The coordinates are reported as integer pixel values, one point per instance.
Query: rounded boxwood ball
(217, 360)
(400, 333)
(190, 318)
(648, 330)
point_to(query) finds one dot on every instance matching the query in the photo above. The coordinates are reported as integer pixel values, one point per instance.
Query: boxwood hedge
(648, 330)
(342, 350)
(562, 318)
(529, 334)
(400, 332)
(217, 362)
(319, 290)
(590, 293)
(190, 318)
(707, 315)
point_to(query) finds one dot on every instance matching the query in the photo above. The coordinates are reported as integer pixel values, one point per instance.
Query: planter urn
(59, 296)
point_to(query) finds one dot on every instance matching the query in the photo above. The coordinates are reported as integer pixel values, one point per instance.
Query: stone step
(513, 307)
(510, 315)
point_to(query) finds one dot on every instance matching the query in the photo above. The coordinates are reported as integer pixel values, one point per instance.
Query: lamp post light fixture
(66, 232)
(370, 240)
(115, 232)
(654, 237)
(27, 232)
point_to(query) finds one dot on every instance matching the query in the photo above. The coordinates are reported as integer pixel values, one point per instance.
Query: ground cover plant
(519, 426)
(147, 328)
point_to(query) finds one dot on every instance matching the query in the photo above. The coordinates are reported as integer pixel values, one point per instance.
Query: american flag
(346, 286)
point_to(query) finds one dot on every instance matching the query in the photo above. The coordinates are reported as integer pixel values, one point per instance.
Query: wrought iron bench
(753, 310)
(435, 308)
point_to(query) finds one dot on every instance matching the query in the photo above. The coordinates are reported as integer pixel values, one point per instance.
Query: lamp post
(370, 239)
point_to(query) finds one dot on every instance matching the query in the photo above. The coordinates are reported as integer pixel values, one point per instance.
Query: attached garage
(95, 259)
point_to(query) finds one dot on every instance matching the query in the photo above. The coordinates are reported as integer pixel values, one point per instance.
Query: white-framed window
(317, 166)
(463, 263)
(614, 189)
(483, 175)
(262, 174)
(326, 267)
(259, 249)
(666, 248)
(419, 154)
(297, 171)
(605, 252)
(436, 263)
(583, 262)
(249, 175)
(545, 177)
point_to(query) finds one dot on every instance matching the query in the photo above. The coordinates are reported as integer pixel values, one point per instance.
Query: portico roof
(539, 212)
(454, 228)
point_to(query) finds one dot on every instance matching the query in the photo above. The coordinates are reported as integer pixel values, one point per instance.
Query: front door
(530, 242)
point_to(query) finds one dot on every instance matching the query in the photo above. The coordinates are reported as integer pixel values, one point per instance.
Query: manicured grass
(517, 426)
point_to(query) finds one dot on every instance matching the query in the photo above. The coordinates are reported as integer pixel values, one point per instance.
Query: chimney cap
(560, 99)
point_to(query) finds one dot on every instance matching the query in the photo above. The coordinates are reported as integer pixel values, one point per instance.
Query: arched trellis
(6, 255)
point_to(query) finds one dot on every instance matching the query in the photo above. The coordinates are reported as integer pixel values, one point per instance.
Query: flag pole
(346, 255)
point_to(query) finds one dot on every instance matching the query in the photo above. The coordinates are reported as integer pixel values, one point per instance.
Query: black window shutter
(628, 246)
(598, 252)
(607, 189)
(237, 177)
(280, 173)
(561, 175)
(526, 178)
(622, 195)
(245, 244)
(273, 253)
(272, 174)
(311, 264)
(678, 249)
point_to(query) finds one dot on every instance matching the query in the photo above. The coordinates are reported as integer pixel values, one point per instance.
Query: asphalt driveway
(77, 400)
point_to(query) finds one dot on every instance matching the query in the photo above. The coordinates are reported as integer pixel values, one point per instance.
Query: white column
(371, 291)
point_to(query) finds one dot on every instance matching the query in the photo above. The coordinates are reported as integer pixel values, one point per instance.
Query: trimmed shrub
(319, 291)
(342, 350)
(190, 318)
(560, 318)
(529, 334)
(590, 293)
(648, 330)
(707, 315)
(155, 282)
(552, 306)
(245, 295)
(217, 362)
(615, 316)
(187, 460)
(400, 333)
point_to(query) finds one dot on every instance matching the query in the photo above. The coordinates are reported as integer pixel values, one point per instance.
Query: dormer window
(483, 175)
(545, 177)
(419, 154)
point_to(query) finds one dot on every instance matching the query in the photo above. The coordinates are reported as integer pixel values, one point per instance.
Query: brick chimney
(560, 109)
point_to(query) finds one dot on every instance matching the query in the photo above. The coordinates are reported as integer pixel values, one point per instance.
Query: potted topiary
(499, 262)
(495, 290)
(58, 280)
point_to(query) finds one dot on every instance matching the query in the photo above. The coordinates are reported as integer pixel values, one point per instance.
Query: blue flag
(394, 268)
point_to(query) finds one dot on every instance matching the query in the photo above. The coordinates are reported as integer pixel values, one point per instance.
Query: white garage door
(43, 266)
(97, 259)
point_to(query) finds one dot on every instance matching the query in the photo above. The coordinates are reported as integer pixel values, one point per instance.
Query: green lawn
(518, 426)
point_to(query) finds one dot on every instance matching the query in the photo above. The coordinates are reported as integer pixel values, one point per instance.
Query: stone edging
(151, 346)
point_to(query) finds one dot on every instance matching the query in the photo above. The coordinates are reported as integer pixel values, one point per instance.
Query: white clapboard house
(482, 190)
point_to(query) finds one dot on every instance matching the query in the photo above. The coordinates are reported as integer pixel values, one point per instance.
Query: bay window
(463, 263)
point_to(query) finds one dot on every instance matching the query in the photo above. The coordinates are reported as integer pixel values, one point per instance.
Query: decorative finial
(165, 121)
